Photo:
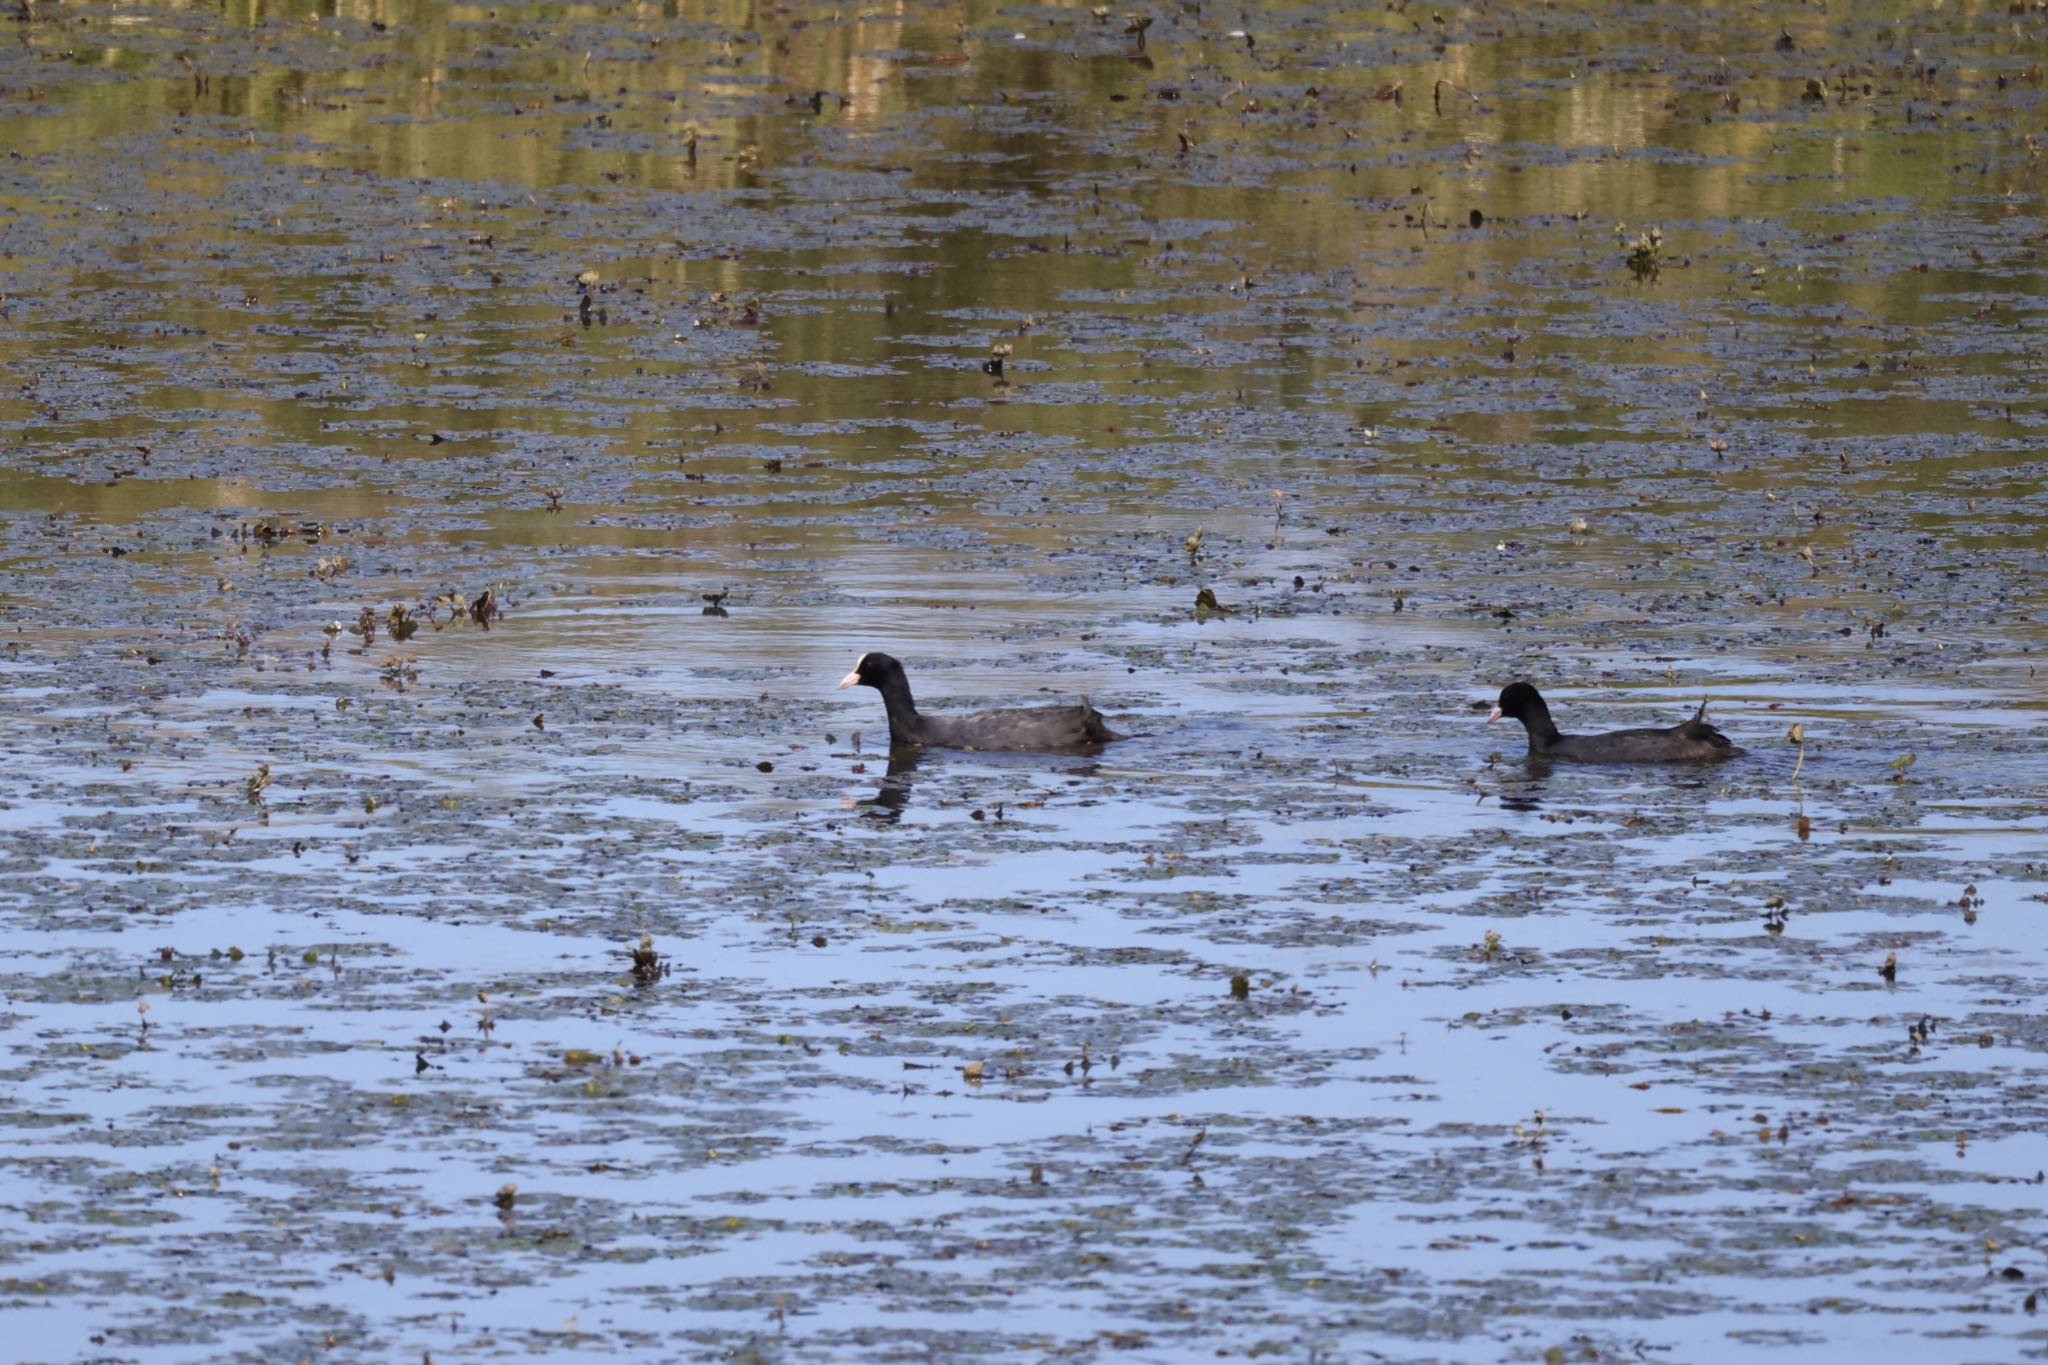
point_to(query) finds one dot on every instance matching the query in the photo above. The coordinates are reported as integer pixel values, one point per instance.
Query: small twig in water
(1437, 95)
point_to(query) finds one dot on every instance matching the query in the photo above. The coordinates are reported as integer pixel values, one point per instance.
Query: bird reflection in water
(887, 804)
(892, 795)
(1525, 788)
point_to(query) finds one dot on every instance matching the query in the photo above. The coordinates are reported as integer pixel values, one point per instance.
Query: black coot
(1044, 729)
(1688, 742)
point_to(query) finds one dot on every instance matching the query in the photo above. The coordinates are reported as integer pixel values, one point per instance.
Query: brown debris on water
(1645, 259)
(648, 966)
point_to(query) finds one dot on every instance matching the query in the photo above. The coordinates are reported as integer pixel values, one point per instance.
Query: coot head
(872, 671)
(1518, 701)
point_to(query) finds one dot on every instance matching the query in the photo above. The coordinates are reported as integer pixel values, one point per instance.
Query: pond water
(660, 360)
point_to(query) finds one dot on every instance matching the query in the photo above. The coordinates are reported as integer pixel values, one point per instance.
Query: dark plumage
(1043, 729)
(1689, 741)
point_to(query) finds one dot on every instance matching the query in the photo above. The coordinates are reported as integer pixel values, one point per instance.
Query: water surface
(1651, 354)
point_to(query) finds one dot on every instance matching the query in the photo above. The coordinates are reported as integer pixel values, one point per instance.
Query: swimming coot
(1691, 741)
(1044, 729)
